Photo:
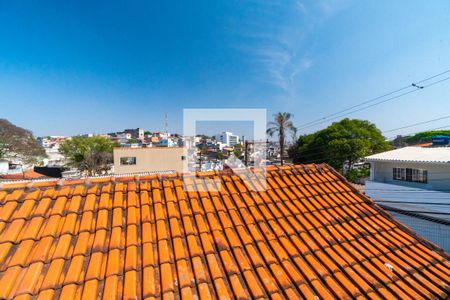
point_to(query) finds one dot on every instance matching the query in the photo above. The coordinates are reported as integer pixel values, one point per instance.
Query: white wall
(438, 174)
(227, 138)
(4, 167)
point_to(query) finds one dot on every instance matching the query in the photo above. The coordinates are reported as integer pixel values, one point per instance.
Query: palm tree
(281, 125)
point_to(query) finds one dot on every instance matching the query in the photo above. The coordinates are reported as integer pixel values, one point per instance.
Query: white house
(4, 166)
(413, 183)
(227, 138)
(417, 167)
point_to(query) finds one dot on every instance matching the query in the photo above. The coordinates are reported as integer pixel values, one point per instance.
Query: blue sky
(74, 67)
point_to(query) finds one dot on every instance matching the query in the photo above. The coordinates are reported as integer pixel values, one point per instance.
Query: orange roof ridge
(310, 234)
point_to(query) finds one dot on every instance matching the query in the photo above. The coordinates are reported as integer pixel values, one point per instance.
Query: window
(411, 175)
(128, 160)
(395, 174)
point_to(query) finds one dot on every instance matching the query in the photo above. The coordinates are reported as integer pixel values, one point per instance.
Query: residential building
(417, 167)
(54, 158)
(163, 139)
(168, 143)
(12, 167)
(151, 159)
(123, 137)
(154, 140)
(227, 138)
(414, 182)
(137, 133)
(4, 166)
(309, 236)
(161, 135)
(51, 144)
(197, 140)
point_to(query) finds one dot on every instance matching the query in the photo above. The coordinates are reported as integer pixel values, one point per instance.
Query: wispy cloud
(282, 65)
(278, 35)
(300, 6)
(330, 7)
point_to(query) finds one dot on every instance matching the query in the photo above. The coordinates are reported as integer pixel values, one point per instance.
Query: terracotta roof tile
(28, 174)
(309, 235)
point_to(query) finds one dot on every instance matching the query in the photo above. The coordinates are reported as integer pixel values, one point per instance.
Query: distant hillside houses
(19, 150)
(140, 138)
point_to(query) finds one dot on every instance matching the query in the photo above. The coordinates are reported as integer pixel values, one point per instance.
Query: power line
(374, 104)
(411, 133)
(376, 98)
(352, 109)
(359, 109)
(354, 106)
(434, 76)
(415, 124)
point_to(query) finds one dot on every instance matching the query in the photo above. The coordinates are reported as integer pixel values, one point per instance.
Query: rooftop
(28, 174)
(309, 235)
(437, 155)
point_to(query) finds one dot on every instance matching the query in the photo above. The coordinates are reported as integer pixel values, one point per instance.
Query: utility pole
(200, 162)
(246, 152)
(202, 145)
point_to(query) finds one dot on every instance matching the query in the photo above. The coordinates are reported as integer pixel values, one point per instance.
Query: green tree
(342, 143)
(354, 174)
(281, 125)
(425, 136)
(3, 148)
(237, 150)
(202, 151)
(89, 154)
(219, 155)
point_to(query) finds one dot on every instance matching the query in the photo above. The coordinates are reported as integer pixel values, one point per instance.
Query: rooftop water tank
(441, 140)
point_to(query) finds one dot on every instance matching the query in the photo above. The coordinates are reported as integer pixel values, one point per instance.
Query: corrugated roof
(439, 155)
(309, 235)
